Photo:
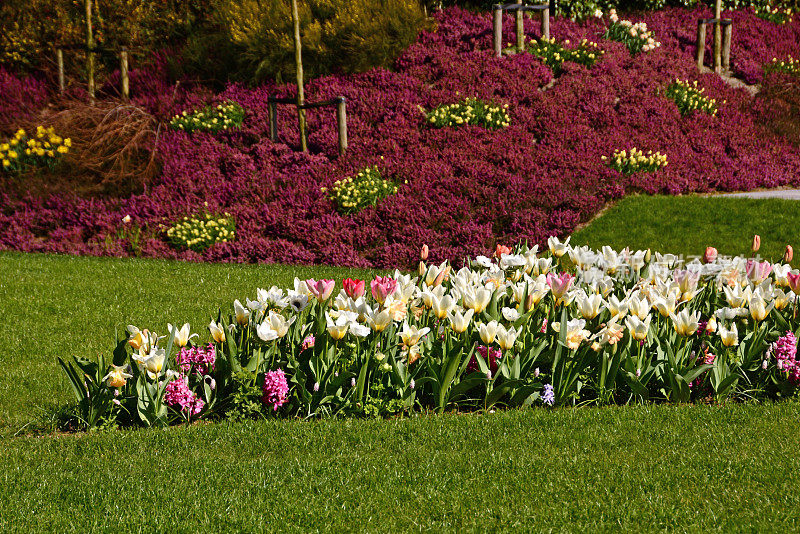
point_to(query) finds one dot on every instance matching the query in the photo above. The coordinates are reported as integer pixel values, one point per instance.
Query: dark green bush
(255, 37)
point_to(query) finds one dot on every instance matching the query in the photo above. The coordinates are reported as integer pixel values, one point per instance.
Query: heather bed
(461, 190)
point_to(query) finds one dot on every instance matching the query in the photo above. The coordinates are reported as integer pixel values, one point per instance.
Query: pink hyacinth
(199, 358)
(785, 351)
(177, 395)
(490, 356)
(275, 389)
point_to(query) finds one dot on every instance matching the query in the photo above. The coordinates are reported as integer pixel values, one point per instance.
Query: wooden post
(520, 30)
(718, 37)
(341, 121)
(89, 51)
(726, 45)
(498, 30)
(273, 121)
(546, 23)
(298, 58)
(701, 43)
(123, 74)
(60, 62)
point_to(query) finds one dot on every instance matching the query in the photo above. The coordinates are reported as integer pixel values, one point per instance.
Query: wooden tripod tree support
(518, 10)
(341, 116)
(722, 61)
(124, 77)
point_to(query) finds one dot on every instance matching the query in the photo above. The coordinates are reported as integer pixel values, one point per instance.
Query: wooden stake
(89, 51)
(546, 23)
(726, 46)
(520, 30)
(298, 58)
(498, 31)
(718, 37)
(273, 121)
(60, 62)
(341, 121)
(701, 44)
(123, 74)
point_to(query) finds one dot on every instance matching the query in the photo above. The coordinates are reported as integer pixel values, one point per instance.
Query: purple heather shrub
(20, 98)
(461, 190)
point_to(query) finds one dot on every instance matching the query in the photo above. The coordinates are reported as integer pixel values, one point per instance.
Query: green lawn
(687, 225)
(637, 468)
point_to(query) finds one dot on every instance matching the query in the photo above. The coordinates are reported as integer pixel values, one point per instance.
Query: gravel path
(788, 194)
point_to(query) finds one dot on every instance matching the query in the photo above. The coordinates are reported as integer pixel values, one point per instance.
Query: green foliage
(470, 111)
(337, 36)
(555, 54)
(198, 232)
(774, 14)
(213, 119)
(636, 161)
(245, 397)
(689, 97)
(367, 188)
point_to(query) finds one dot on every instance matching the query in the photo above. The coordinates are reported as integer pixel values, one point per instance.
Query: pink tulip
(794, 282)
(423, 255)
(354, 288)
(321, 289)
(559, 285)
(756, 243)
(382, 287)
(757, 272)
(710, 256)
(501, 250)
(788, 254)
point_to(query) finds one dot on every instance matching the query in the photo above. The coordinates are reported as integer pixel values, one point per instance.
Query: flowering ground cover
(468, 187)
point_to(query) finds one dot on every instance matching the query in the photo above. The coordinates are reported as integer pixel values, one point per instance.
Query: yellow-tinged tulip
(477, 299)
(488, 331)
(759, 308)
(379, 321)
(217, 331)
(180, 337)
(117, 377)
(637, 327)
(730, 338)
(460, 321)
(506, 338)
(410, 335)
(686, 323)
(441, 306)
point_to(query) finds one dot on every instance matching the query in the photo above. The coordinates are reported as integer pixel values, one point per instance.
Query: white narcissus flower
(117, 377)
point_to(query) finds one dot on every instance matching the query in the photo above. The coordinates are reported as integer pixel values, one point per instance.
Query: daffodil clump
(470, 111)
(43, 149)
(774, 14)
(633, 35)
(690, 97)
(636, 161)
(555, 54)
(354, 193)
(788, 65)
(199, 232)
(213, 119)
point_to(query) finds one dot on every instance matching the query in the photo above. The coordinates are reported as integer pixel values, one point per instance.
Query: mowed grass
(688, 224)
(637, 468)
(624, 469)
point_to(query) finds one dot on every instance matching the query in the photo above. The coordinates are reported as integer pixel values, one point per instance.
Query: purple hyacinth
(548, 396)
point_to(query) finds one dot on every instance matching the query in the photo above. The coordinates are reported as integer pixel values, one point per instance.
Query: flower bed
(565, 327)
(468, 187)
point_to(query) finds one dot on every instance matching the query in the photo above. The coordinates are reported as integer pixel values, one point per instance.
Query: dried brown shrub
(113, 150)
(778, 105)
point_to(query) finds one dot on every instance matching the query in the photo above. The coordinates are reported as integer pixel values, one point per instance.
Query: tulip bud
(788, 254)
(756, 243)
(423, 255)
(710, 256)
(528, 303)
(422, 268)
(647, 256)
(536, 373)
